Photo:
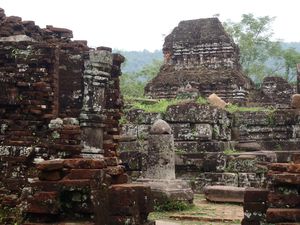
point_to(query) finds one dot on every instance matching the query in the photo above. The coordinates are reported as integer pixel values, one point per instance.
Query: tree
(132, 84)
(260, 56)
(253, 35)
(290, 58)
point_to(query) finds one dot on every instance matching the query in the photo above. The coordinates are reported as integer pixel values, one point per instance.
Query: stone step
(224, 194)
(278, 215)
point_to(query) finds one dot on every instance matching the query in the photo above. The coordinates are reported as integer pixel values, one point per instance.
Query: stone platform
(169, 190)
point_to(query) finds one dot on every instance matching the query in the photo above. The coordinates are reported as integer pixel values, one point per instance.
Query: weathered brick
(50, 165)
(84, 163)
(276, 215)
(255, 195)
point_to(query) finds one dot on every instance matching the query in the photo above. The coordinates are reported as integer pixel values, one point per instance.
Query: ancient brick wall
(279, 202)
(214, 146)
(60, 104)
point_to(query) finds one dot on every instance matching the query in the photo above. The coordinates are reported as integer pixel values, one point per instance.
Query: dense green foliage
(260, 55)
(132, 84)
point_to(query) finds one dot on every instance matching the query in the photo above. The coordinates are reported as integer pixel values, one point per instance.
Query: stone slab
(224, 194)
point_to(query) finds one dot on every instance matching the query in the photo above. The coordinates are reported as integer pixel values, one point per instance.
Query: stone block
(250, 180)
(132, 160)
(50, 165)
(281, 200)
(138, 116)
(295, 103)
(218, 193)
(44, 203)
(277, 215)
(54, 175)
(258, 207)
(111, 161)
(84, 163)
(251, 119)
(281, 167)
(192, 113)
(287, 178)
(248, 146)
(143, 131)
(293, 168)
(203, 131)
(138, 145)
(295, 158)
(186, 147)
(224, 179)
(120, 179)
(246, 222)
(129, 130)
(206, 161)
(77, 174)
(130, 199)
(256, 195)
(114, 170)
(241, 163)
(213, 146)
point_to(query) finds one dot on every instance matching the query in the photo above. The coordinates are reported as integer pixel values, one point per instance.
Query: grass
(160, 106)
(230, 151)
(157, 107)
(232, 108)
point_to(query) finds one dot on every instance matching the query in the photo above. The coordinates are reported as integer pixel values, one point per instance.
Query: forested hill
(136, 60)
(295, 45)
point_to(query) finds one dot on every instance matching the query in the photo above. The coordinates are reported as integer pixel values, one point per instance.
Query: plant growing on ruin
(201, 100)
(171, 206)
(159, 107)
(232, 108)
(230, 151)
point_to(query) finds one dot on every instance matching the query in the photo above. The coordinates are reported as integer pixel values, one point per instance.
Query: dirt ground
(203, 213)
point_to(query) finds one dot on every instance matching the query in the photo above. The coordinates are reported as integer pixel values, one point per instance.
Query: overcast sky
(142, 24)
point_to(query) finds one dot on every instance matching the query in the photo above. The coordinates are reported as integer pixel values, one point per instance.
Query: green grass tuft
(235, 108)
(158, 107)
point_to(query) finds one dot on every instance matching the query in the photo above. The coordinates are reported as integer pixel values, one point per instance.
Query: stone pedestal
(161, 158)
(160, 172)
(165, 190)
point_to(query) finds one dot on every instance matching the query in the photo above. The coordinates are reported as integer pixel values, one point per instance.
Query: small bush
(172, 206)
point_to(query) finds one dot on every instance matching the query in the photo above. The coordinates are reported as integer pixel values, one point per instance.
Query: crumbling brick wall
(60, 100)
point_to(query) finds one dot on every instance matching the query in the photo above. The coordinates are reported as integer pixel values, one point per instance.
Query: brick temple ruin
(60, 105)
(200, 59)
(201, 54)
